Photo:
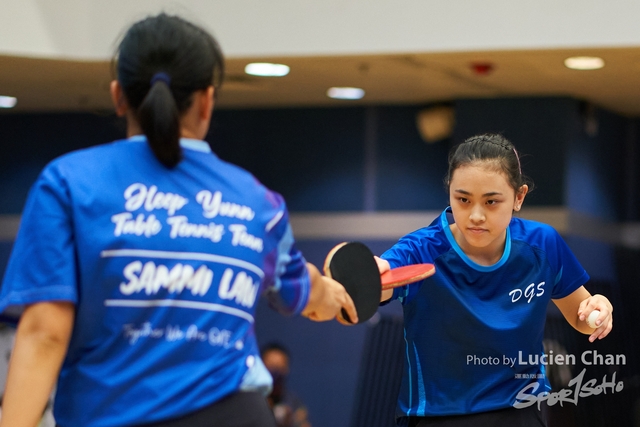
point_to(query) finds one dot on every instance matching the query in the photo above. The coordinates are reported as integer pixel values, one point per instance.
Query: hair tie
(517, 158)
(161, 76)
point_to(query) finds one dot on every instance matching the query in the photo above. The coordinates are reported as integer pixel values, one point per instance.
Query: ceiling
(414, 78)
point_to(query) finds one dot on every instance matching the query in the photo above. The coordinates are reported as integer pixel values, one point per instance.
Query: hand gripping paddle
(352, 265)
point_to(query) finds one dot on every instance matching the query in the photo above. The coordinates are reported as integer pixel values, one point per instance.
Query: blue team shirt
(165, 268)
(467, 323)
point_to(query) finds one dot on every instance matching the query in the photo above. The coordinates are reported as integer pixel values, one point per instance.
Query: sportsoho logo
(577, 387)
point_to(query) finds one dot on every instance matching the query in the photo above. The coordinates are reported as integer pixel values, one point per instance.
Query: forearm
(327, 298)
(316, 294)
(40, 346)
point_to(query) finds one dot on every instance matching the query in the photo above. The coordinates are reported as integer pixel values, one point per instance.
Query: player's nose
(477, 215)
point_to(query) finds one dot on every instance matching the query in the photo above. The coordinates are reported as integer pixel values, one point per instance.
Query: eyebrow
(489, 194)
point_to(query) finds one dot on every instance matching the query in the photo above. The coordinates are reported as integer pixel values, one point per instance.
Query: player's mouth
(476, 230)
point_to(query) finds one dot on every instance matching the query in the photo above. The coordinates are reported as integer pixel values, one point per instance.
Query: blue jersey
(470, 329)
(165, 267)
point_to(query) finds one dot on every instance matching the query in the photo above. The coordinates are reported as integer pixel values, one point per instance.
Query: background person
(288, 409)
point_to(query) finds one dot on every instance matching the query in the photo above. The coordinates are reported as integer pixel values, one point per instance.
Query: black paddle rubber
(354, 267)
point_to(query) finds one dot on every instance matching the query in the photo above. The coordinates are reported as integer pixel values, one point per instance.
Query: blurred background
(352, 123)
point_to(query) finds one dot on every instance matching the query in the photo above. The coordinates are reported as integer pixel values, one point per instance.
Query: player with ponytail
(469, 326)
(137, 292)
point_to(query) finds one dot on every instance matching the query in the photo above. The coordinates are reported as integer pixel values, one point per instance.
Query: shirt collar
(188, 143)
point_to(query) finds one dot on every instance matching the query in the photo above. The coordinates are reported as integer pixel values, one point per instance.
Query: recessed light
(266, 69)
(8, 101)
(584, 63)
(345, 93)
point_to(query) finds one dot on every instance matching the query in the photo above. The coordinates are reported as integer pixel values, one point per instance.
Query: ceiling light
(8, 101)
(266, 69)
(584, 63)
(345, 93)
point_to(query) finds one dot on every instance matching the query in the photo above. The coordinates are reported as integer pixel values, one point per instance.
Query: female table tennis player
(470, 325)
(139, 262)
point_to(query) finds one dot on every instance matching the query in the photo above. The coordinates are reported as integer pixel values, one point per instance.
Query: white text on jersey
(242, 238)
(137, 195)
(529, 292)
(151, 278)
(180, 227)
(243, 290)
(212, 206)
(139, 226)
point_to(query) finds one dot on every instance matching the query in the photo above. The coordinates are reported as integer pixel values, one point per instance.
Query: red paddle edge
(398, 276)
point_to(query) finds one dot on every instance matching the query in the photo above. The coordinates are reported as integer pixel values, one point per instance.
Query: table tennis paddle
(352, 265)
(401, 276)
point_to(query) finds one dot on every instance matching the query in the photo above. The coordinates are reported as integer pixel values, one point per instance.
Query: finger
(350, 308)
(581, 308)
(343, 317)
(311, 316)
(601, 332)
(597, 335)
(585, 308)
(343, 321)
(606, 330)
(383, 264)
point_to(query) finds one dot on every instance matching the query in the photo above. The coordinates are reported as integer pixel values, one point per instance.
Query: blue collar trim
(444, 222)
(188, 143)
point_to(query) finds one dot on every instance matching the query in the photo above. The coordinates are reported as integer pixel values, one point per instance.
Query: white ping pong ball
(591, 320)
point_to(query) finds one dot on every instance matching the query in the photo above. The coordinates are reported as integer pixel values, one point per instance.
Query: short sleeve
(399, 255)
(42, 265)
(570, 274)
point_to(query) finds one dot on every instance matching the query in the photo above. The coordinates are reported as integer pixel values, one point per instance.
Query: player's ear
(118, 99)
(206, 103)
(520, 195)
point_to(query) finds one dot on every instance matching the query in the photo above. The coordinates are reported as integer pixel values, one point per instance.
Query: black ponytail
(160, 121)
(161, 62)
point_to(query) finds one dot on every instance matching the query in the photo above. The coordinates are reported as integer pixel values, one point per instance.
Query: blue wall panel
(540, 128)
(410, 172)
(30, 141)
(313, 157)
(595, 169)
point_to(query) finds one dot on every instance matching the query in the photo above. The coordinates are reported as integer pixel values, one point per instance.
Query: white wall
(88, 28)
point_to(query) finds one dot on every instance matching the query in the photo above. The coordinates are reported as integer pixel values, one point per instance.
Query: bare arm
(40, 346)
(577, 306)
(327, 298)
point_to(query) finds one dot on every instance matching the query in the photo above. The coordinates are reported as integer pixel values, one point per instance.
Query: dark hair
(489, 148)
(161, 61)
